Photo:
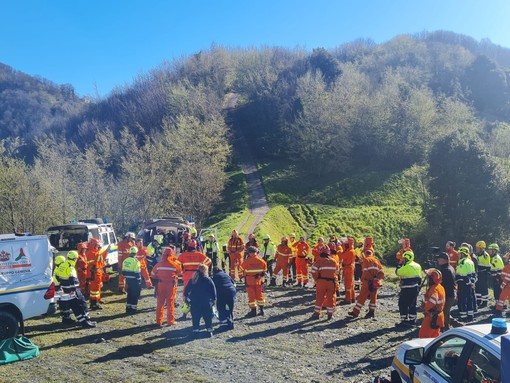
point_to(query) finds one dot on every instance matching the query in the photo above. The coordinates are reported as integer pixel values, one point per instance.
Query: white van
(26, 286)
(66, 237)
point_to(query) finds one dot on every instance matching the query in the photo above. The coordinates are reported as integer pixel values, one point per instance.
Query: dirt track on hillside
(283, 345)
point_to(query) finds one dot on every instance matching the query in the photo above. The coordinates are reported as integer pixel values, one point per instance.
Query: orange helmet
(94, 242)
(82, 246)
(435, 275)
(192, 244)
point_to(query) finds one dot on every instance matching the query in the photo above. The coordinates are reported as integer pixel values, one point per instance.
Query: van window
(66, 239)
(95, 234)
(113, 240)
(104, 239)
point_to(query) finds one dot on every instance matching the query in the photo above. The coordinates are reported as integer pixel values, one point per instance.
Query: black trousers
(134, 289)
(225, 305)
(199, 311)
(407, 303)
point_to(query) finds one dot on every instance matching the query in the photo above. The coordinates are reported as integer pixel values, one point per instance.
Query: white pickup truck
(26, 286)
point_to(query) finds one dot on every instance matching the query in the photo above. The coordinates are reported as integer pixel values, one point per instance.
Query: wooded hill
(162, 145)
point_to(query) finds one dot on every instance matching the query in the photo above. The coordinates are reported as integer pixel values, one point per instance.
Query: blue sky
(96, 45)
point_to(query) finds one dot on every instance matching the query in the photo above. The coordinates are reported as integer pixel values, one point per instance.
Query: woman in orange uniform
(167, 273)
(435, 298)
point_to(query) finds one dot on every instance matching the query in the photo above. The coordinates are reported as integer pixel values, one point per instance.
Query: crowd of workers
(210, 272)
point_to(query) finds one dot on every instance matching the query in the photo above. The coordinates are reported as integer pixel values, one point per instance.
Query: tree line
(160, 146)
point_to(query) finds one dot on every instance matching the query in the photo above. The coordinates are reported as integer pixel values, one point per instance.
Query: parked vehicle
(463, 354)
(26, 286)
(66, 237)
(171, 228)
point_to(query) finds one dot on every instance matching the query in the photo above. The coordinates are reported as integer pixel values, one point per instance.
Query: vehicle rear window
(482, 366)
(67, 239)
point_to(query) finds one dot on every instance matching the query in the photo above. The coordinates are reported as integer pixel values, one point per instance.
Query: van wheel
(9, 326)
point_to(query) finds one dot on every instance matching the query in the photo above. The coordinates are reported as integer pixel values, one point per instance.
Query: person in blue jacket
(200, 293)
(226, 296)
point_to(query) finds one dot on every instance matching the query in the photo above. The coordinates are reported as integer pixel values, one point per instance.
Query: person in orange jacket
(95, 268)
(348, 259)
(235, 248)
(81, 268)
(318, 248)
(283, 254)
(303, 251)
(123, 250)
(368, 244)
(325, 273)
(405, 244)
(435, 298)
(505, 287)
(453, 254)
(141, 255)
(190, 260)
(371, 281)
(167, 273)
(252, 241)
(253, 270)
(336, 248)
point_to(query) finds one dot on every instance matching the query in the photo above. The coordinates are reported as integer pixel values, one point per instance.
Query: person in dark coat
(226, 296)
(200, 293)
(449, 284)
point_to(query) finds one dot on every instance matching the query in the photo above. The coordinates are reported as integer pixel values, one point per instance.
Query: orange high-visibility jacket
(283, 251)
(303, 249)
(167, 271)
(190, 260)
(235, 245)
(325, 268)
(253, 269)
(348, 257)
(372, 269)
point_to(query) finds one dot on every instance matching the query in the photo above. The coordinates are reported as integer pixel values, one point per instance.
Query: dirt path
(258, 202)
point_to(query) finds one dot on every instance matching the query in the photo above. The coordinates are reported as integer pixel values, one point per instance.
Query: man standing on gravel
(303, 250)
(254, 270)
(410, 282)
(235, 247)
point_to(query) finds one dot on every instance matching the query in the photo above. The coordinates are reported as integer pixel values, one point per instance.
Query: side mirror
(414, 356)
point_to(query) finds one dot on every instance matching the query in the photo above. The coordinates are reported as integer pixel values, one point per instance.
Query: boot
(261, 310)
(68, 320)
(370, 314)
(273, 282)
(353, 314)
(252, 313)
(315, 316)
(95, 306)
(88, 324)
(330, 316)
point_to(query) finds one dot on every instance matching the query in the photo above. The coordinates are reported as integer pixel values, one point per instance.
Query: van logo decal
(21, 254)
(4, 256)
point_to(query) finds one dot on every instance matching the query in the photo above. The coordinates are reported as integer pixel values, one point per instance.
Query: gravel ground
(283, 345)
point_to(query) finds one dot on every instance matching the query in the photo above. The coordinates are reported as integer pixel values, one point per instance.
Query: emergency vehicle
(66, 237)
(26, 286)
(464, 354)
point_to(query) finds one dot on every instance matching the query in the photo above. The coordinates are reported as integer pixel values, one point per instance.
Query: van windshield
(65, 238)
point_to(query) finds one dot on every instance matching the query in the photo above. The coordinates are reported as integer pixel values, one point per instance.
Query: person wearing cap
(131, 270)
(167, 274)
(253, 269)
(267, 251)
(292, 259)
(142, 257)
(302, 251)
(212, 249)
(123, 250)
(433, 306)
(497, 266)
(465, 277)
(190, 260)
(225, 297)
(325, 273)
(484, 269)
(505, 288)
(235, 247)
(371, 281)
(283, 253)
(450, 287)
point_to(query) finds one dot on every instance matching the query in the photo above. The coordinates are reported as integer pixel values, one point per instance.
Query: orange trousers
(255, 296)
(505, 294)
(82, 278)
(186, 277)
(428, 332)
(348, 277)
(145, 273)
(95, 287)
(325, 295)
(167, 291)
(235, 261)
(364, 294)
(302, 270)
(282, 263)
